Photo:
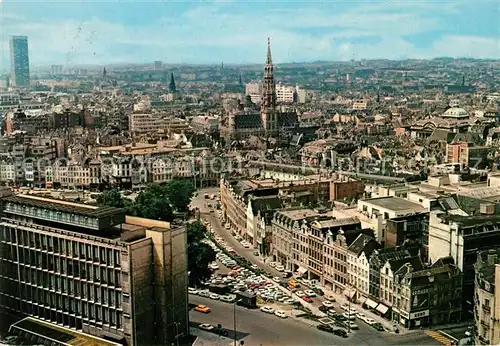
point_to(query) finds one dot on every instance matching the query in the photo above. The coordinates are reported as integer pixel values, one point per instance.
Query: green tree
(200, 254)
(180, 193)
(248, 102)
(111, 198)
(153, 203)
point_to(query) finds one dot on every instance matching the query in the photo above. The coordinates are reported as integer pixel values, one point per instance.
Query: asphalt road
(258, 328)
(364, 336)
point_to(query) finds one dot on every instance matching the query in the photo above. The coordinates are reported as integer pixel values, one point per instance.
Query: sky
(196, 32)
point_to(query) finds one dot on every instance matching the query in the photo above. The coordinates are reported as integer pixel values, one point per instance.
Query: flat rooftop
(63, 206)
(299, 214)
(52, 333)
(393, 203)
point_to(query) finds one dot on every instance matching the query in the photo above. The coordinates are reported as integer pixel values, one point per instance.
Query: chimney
(410, 268)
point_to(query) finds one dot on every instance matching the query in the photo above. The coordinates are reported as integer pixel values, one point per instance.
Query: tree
(200, 254)
(111, 198)
(180, 193)
(153, 203)
(248, 102)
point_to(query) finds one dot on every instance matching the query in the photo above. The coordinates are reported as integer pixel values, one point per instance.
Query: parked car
(325, 328)
(378, 326)
(204, 293)
(206, 326)
(330, 298)
(310, 293)
(307, 299)
(192, 290)
(353, 325)
(267, 309)
(323, 308)
(348, 316)
(340, 332)
(369, 321)
(327, 304)
(280, 314)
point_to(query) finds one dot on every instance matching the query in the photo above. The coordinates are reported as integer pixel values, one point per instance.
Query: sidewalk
(386, 323)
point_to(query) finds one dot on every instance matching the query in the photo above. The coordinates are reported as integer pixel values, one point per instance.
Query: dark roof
(99, 212)
(444, 261)
(359, 243)
(265, 203)
(386, 254)
(414, 261)
(352, 234)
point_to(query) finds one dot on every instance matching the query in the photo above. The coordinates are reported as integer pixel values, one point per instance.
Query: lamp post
(176, 333)
(234, 322)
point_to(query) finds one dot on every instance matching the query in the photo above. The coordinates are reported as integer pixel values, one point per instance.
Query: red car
(307, 299)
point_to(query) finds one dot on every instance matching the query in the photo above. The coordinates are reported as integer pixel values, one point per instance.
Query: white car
(353, 311)
(300, 293)
(349, 316)
(213, 266)
(272, 264)
(289, 301)
(254, 267)
(204, 293)
(214, 296)
(206, 326)
(280, 314)
(192, 290)
(353, 325)
(327, 304)
(344, 307)
(267, 309)
(228, 298)
(280, 268)
(329, 297)
(276, 279)
(310, 293)
(361, 316)
(369, 320)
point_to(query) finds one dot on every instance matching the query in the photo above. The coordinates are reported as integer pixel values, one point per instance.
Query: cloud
(467, 47)
(236, 32)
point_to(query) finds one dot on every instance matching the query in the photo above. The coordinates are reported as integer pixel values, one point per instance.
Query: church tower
(268, 107)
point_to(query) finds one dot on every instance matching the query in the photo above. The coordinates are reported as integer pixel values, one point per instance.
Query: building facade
(19, 61)
(93, 270)
(487, 298)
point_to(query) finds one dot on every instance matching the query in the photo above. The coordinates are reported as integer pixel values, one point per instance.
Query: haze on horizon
(204, 32)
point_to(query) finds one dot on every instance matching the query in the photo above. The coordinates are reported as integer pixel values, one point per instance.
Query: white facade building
(285, 94)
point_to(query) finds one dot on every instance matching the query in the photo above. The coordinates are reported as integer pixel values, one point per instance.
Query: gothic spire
(171, 86)
(269, 60)
(268, 106)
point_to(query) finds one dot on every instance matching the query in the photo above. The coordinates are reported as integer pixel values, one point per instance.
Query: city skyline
(200, 33)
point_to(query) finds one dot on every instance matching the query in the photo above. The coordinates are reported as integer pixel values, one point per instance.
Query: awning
(361, 300)
(371, 304)
(302, 270)
(349, 293)
(382, 309)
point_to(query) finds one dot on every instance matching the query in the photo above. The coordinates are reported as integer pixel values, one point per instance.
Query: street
(258, 328)
(269, 328)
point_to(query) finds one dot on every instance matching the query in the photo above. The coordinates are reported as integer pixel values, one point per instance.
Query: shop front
(411, 320)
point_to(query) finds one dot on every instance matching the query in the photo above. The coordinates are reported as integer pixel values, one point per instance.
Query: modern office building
(93, 270)
(19, 61)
